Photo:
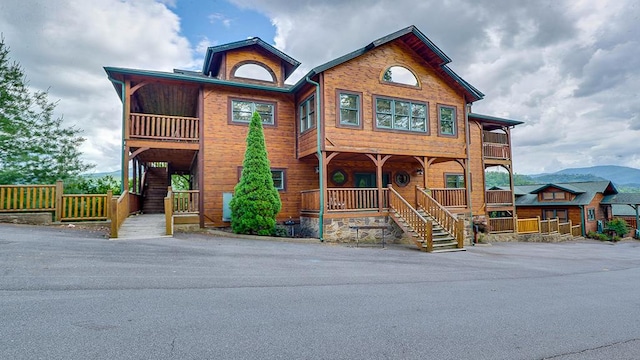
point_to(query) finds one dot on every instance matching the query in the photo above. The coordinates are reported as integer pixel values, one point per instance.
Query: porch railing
(161, 127)
(494, 137)
(499, 197)
(450, 197)
(185, 201)
(349, 199)
(119, 212)
(528, 226)
(441, 215)
(496, 151)
(421, 226)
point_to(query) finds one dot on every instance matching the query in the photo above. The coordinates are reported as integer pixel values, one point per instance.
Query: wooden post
(168, 211)
(107, 204)
(539, 226)
(515, 223)
(114, 217)
(429, 236)
(59, 192)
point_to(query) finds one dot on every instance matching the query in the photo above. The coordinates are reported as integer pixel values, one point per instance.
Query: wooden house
(587, 203)
(383, 135)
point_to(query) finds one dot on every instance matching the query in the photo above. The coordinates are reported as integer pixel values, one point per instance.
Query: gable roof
(213, 57)
(417, 41)
(495, 121)
(584, 191)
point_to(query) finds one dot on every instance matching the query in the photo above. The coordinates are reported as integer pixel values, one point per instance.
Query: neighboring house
(390, 113)
(580, 202)
(625, 206)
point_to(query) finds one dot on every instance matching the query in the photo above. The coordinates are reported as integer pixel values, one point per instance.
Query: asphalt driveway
(71, 294)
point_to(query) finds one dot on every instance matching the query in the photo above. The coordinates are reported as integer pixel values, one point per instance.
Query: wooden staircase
(430, 232)
(155, 190)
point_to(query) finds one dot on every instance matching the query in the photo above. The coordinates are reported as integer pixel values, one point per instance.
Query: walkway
(147, 226)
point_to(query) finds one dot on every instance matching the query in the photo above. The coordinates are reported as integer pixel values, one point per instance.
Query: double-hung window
(308, 114)
(447, 115)
(454, 181)
(402, 115)
(278, 179)
(242, 111)
(349, 109)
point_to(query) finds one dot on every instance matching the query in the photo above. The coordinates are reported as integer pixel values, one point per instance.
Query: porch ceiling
(164, 98)
(179, 160)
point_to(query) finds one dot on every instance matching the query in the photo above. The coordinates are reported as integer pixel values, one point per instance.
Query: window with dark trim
(242, 111)
(591, 214)
(339, 177)
(402, 178)
(403, 115)
(279, 177)
(349, 104)
(307, 114)
(447, 120)
(454, 181)
(548, 214)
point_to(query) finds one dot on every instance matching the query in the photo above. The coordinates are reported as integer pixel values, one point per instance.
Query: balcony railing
(345, 199)
(499, 197)
(495, 145)
(450, 198)
(160, 127)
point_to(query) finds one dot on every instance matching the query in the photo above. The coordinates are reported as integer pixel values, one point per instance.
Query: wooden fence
(533, 226)
(51, 198)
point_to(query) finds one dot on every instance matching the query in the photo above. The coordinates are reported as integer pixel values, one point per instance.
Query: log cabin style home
(587, 203)
(381, 137)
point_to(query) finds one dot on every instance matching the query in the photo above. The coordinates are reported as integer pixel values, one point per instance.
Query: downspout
(582, 227)
(468, 167)
(123, 165)
(320, 162)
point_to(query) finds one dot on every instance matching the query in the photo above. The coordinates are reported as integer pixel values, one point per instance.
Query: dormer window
(553, 195)
(254, 71)
(400, 75)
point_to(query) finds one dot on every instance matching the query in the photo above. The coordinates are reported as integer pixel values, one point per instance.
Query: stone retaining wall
(38, 218)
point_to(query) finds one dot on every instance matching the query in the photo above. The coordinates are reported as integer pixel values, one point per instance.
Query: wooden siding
(476, 167)
(224, 147)
(253, 53)
(363, 74)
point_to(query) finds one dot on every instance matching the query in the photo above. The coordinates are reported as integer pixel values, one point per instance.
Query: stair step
(448, 250)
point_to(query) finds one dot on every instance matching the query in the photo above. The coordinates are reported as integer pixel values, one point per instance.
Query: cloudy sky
(569, 69)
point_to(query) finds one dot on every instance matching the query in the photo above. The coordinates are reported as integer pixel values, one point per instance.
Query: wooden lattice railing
(85, 207)
(452, 197)
(421, 226)
(185, 201)
(498, 197)
(19, 198)
(441, 215)
(161, 127)
(349, 199)
(310, 200)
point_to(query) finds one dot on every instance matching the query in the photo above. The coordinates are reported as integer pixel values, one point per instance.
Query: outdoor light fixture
(420, 171)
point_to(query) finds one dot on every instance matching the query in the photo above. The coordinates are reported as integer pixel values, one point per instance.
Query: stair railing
(414, 220)
(450, 223)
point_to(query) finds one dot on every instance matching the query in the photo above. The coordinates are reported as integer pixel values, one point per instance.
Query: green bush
(598, 236)
(256, 201)
(619, 226)
(281, 231)
(99, 185)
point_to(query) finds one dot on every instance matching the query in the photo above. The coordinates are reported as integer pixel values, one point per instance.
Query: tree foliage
(34, 145)
(256, 201)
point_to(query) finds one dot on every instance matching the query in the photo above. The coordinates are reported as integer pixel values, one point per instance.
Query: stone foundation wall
(511, 237)
(309, 227)
(339, 230)
(39, 218)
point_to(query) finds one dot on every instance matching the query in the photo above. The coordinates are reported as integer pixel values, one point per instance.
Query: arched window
(400, 75)
(254, 71)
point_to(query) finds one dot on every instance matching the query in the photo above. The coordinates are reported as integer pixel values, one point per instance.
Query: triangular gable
(419, 43)
(567, 188)
(213, 57)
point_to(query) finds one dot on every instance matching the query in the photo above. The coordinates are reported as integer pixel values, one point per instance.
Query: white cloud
(63, 45)
(221, 18)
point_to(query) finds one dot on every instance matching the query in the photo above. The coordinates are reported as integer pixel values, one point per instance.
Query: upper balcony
(495, 146)
(164, 128)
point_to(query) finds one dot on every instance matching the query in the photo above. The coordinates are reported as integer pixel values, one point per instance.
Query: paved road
(69, 294)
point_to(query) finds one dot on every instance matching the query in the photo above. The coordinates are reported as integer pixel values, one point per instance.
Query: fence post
(107, 204)
(59, 192)
(114, 217)
(539, 225)
(515, 223)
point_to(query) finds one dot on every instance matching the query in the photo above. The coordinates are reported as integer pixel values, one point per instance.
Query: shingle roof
(622, 210)
(584, 191)
(494, 120)
(622, 198)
